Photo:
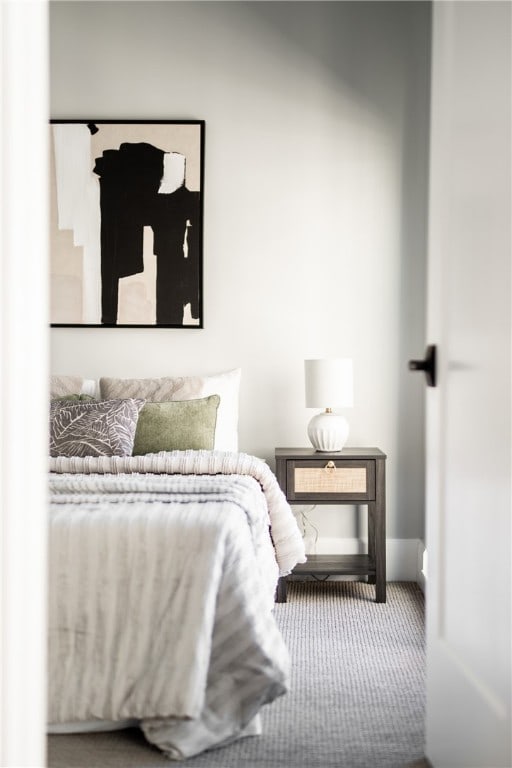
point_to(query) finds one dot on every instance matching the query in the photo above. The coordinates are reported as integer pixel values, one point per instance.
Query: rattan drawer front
(330, 479)
(327, 480)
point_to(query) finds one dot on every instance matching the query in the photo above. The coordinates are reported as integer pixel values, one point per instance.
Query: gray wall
(315, 204)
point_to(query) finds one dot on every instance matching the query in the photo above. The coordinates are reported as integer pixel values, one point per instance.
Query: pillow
(91, 387)
(94, 428)
(177, 426)
(166, 389)
(64, 385)
(68, 385)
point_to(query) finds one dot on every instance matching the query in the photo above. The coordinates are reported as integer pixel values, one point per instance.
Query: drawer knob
(330, 466)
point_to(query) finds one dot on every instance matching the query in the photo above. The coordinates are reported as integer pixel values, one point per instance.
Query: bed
(163, 565)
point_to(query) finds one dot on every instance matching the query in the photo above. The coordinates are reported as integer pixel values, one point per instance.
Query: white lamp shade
(329, 383)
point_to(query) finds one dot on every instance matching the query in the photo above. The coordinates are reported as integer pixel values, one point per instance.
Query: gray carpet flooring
(356, 700)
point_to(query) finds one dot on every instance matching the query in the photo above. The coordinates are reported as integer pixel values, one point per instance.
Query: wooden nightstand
(350, 476)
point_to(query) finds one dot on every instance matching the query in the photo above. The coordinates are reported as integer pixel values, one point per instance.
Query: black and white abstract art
(126, 230)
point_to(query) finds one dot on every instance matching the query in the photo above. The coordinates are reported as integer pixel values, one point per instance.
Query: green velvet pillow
(178, 425)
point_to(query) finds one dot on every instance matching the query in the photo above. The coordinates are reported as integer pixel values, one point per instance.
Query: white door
(469, 412)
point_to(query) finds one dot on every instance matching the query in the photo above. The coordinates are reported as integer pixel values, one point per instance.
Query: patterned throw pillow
(105, 428)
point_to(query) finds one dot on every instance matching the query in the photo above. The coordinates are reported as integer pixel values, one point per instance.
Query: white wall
(315, 204)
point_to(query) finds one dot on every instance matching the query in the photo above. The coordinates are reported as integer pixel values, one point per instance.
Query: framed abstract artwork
(126, 226)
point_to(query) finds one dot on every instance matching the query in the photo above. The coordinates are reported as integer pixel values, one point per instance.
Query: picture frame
(126, 223)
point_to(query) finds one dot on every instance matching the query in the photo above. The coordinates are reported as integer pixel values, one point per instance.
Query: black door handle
(428, 364)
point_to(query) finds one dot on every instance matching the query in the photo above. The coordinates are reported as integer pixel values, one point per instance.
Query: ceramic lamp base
(328, 431)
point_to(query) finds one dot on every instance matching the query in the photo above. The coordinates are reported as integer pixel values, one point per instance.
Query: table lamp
(329, 384)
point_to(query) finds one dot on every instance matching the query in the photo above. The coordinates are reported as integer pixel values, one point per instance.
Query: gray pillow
(179, 425)
(104, 428)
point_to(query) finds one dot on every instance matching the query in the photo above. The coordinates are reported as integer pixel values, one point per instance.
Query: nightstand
(349, 476)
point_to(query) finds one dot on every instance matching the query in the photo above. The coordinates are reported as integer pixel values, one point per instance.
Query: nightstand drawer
(327, 480)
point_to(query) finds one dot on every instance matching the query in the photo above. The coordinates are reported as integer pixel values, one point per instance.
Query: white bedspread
(286, 536)
(161, 593)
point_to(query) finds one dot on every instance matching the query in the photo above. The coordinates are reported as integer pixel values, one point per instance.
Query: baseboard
(402, 555)
(422, 566)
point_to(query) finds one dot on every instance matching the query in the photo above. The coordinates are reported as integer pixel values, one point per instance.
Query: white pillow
(91, 387)
(165, 389)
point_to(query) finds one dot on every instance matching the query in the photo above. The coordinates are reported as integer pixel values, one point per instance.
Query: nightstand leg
(281, 590)
(380, 566)
(380, 533)
(377, 550)
(371, 537)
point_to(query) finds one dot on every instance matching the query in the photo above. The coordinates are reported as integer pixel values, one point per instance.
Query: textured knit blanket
(288, 542)
(161, 582)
